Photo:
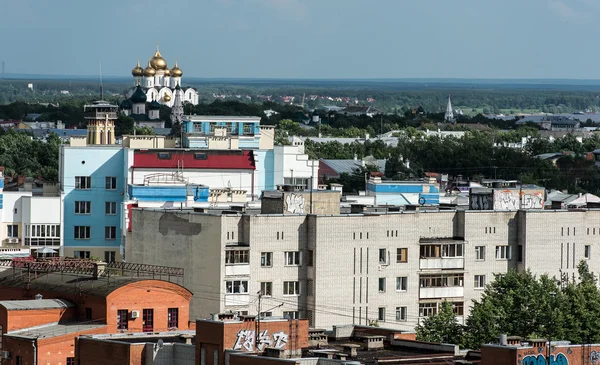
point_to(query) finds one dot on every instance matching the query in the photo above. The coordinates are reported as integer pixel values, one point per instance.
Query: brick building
(44, 306)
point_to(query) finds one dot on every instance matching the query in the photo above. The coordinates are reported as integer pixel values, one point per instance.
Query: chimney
(99, 268)
(503, 340)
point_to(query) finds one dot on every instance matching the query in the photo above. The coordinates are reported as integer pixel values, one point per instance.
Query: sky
(316, 39)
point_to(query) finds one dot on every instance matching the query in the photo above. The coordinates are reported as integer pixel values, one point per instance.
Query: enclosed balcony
(441, 254)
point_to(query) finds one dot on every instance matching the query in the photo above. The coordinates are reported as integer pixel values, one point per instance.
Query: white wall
(12, 201)
(39, 209)
(289, 162)
(236, 179)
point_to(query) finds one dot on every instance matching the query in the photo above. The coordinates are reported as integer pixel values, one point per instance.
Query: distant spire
(177, 109)
(449, 116)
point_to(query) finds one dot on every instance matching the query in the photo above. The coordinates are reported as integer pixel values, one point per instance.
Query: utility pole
(257, 331)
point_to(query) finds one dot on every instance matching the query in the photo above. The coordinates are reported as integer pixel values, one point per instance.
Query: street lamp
(552, 296)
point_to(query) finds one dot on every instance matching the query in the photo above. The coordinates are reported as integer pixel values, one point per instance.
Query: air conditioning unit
(12, 240)
(5, 355)
(135, 314)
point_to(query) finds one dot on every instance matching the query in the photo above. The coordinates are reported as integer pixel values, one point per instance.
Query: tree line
(522, 304)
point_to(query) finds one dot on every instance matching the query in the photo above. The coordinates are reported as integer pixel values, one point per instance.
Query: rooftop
(55, 329)
(144, 337)
(199, 118)
(36, 304)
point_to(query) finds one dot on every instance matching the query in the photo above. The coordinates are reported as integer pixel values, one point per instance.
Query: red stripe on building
(173, 159)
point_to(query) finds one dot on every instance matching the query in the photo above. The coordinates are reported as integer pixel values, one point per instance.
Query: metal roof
(350, 166)
(13, 305)
(55, 329)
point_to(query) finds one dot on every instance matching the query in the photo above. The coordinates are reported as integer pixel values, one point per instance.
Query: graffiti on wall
(294, 204)
(246, 340)
(481, 201)
(558, 359)
(594, 357)
(509, 199)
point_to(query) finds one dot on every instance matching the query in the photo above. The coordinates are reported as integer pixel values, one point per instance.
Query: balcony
(100, 115)
(237, 270)
(237, 299)
(441, 292)
(442, 263)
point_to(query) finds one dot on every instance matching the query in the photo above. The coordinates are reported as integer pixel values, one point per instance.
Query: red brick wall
(18, 347)
(561, 355)
(55, 350)
(257, 360)
(149, 294)
(18, 319)
(100, 352)
(224, 335)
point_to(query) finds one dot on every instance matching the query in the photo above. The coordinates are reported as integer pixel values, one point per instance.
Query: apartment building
(391, 269)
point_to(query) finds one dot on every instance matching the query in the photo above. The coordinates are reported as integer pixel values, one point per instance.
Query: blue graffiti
(540, 359)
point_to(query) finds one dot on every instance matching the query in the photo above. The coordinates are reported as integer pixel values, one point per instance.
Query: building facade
(391, 269)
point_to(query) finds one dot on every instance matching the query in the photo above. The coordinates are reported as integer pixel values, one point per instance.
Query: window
(266, 314)
(110, 233)
(401, 283)
(12, 230)
(110, 208)
(402, 255)
(200, 156)
(381, 314)
(81, 254)
(291, 315)
(266, 259)
(310, 257)
(587, 252)
(233, 257)
(480, 253)
(82, 232)
(19, 360)
(459, 308)
(291, 288)
(173, 318)
(427, 309)
(88, 313)
(401, 314)
(83, 207)
(280, 235)
(111, 183)
(292, 258)
(248, 128)
(383, 256)
(236, 287)
(110, 256)
(266, 289)
(452, 250)
(70, 361)
(83, 182)
(147, 320)
(503, 252)
(164, 156)
(122, 319)
(441, 280)
(382, 285)
(479, 281)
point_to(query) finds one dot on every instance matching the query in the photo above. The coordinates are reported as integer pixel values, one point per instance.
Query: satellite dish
(160, 343)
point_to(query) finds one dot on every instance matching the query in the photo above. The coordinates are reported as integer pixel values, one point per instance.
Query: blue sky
(306, 38)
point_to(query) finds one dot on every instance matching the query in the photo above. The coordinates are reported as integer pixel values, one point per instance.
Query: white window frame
(110, 233)
(110, 208)
(236, 287)
(295, 257)
(83, 207)
(237, 257)
(479, 253)
(401, 314)
(403, 281)
(587, 252)
(427, 309)
(110, 183)
(291, 314)
(82, 232)
(83, 182)
(291, 288)
(266, 259)
(503, 252)
(381, 314)
(10, 231)
(266, 288)
(479, 282)
(381, 285)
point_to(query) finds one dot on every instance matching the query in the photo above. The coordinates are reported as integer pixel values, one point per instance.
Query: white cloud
(577, 10)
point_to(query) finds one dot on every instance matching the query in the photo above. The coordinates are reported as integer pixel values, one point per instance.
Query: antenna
(101, 87)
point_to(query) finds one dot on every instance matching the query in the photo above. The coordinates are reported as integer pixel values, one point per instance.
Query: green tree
(144, 131)
(441, 327)
(124, 125)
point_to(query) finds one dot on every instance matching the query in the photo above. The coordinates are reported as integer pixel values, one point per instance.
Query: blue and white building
(389, 192)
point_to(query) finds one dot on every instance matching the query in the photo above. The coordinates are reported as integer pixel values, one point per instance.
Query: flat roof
(198, 118)
(36, 304)
(144, 337)
(55, 329)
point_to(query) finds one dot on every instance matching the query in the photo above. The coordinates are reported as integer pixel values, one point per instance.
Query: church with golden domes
(159, 82)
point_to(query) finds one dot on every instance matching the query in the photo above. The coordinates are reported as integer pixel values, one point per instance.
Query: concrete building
(390, 268)
(29, 221)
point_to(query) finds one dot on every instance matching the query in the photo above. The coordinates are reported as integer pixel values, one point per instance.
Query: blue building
(389, 192)
(93, 188)
(221, 132)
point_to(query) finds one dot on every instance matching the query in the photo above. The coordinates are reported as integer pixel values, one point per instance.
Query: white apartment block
(391, 268)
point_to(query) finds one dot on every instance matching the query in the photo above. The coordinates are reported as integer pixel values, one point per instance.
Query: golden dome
(167, 97)
(167, 72)
(149, 71)
(176, 71)
(137, 70)
(158, 62)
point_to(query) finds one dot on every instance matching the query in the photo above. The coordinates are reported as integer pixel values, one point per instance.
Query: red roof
(199, 159)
